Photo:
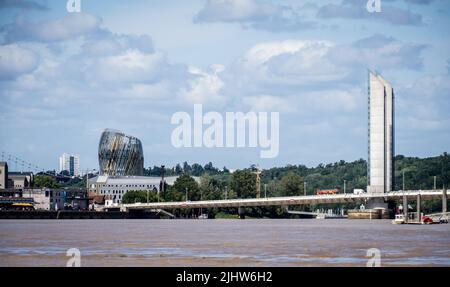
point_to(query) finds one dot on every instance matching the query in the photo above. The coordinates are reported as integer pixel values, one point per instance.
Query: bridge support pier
(419, 218)
(444, 200)
(405, 207)
(241, 212)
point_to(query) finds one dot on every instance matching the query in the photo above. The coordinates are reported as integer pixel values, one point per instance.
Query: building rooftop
(103, 179)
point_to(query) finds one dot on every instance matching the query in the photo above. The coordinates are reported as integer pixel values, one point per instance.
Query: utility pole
(434, 182)
(403, 175)
(304, 188)
(265, 190)
(226, 191)
(186, 194)
(344, 185)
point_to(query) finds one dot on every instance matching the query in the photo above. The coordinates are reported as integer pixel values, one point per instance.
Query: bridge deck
(290, 200)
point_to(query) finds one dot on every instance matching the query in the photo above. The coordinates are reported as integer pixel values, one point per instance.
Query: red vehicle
(426, 220)
(328, 191)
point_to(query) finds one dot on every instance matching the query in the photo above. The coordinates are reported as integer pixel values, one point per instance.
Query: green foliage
(185, 183)
(142, 196)
(243, 182)
(41, 181)
(291, 184)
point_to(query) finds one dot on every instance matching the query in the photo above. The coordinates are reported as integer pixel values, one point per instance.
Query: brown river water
(227, 242)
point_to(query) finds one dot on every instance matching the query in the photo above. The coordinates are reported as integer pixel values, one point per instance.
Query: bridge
(294, 200)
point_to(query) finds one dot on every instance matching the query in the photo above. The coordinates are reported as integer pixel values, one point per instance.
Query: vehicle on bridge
(328, 191)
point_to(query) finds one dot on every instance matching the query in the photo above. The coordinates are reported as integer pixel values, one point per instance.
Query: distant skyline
(129, 65)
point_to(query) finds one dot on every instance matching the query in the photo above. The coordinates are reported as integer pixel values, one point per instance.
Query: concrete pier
(444, 201)
(419, 218)
(241, 212)
(405, 208)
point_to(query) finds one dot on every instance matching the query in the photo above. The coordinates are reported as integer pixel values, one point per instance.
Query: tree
(65, 172)
(197, 169)
(186, 182)
(210, 187)
(186, 167)
(134, 196)
(178, 169)
(41, 181)
(291, 184)
(243, 182)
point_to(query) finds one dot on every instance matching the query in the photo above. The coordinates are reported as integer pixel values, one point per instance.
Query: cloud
(420, 104)
(292, 64)
(255, 14)
(69, 27)
(22, 4)
(420, 2)
(356, 9)
(268, 103)
(205, 87)
(15, 60)
(380, 52)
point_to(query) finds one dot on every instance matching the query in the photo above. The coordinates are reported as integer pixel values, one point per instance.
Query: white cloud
(204, 87)
(257, 14)
(268, 103)
(129, 66)
(16, 60)
(72, 25)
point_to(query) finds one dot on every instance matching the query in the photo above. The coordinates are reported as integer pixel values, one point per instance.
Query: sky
(130, 65)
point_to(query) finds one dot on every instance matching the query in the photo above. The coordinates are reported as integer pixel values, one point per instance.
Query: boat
(399, 219)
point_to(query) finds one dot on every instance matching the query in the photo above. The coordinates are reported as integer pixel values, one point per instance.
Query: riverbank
(73, 214)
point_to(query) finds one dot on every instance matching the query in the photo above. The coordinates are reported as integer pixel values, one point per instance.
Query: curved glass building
(120, 154)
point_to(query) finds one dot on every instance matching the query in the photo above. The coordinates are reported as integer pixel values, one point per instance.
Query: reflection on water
(271, 242)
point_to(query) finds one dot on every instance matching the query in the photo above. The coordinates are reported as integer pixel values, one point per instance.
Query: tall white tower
(71, 163)
(381, 135)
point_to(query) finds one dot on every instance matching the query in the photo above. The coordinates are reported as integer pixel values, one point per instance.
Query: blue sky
(129, 65)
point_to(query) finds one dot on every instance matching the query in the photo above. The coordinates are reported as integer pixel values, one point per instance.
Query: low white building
(41, 197)
(118, 186)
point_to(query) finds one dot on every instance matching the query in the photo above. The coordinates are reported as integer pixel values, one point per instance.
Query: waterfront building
(118, 186)
(120, 154)
(70, 163)
(381, 135)
(3, 175)
(20, 180)
(41, 197)
(72, 199)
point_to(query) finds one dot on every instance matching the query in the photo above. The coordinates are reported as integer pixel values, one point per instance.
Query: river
(227, 242)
